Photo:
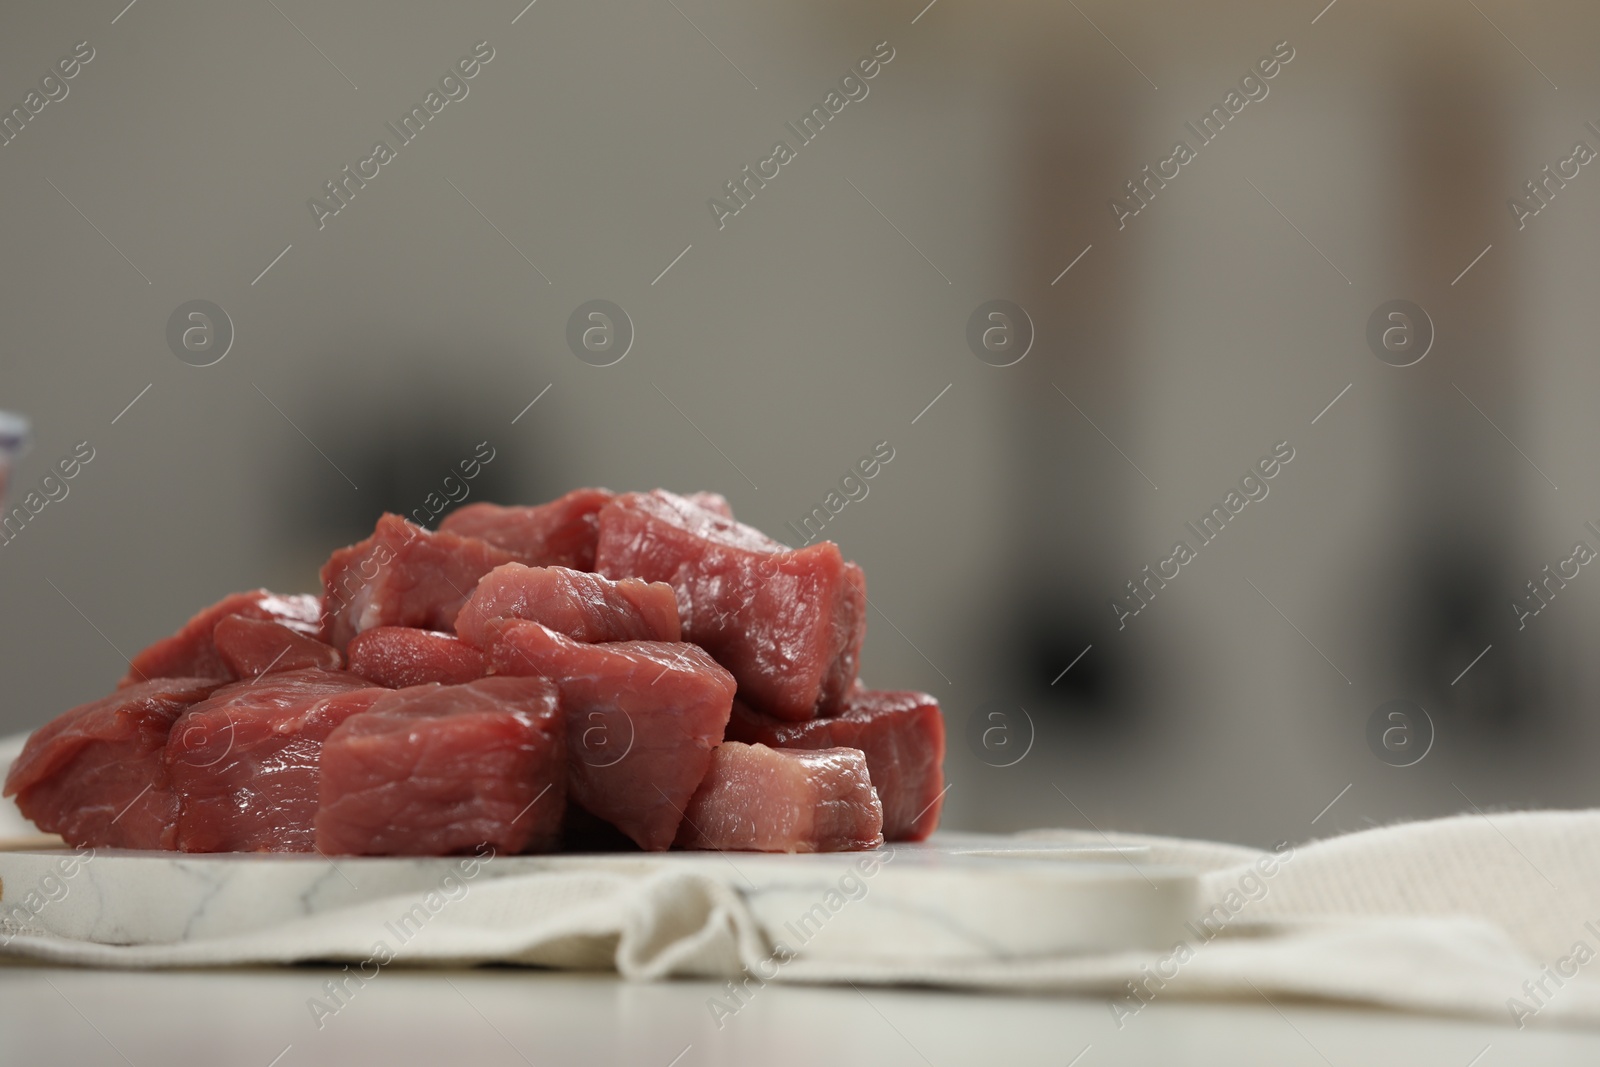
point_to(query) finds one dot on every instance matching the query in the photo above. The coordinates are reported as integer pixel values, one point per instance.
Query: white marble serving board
(960, 896)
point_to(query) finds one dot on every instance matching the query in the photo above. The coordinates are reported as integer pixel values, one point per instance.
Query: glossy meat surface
(244, 762)
(435, 770)
(558, 534)
(95, 774)
(642, 719)
(400, 656)
(257, 646)
(900, 733)
(760, 799)
(191, 652)
(584, 606)
(788, 623)
(402, 575)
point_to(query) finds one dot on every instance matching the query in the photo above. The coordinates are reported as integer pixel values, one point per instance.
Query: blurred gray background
(826, 316)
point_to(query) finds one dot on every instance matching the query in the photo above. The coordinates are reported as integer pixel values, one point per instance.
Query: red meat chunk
(402, 575)
(760, 799)
(788, 623)
(399, 656)
(244, 763)
(584, 606)
(256, 646)
(558, 534)
(191, 652)
(902, 736)
(642, 719)
(435, 770)
(95, 775)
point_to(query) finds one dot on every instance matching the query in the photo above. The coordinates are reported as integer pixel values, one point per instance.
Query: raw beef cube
(902, 736)
(256, 646)
(191, 653)
(94, 774)
(584, 606)
(436, 770)
(642, 719)
(788, 623)
(402, 575)
(399, 656)
(244, 762)
(760, 799)
(558, 534)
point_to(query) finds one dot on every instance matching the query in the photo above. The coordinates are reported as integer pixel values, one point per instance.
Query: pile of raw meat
(606, 671)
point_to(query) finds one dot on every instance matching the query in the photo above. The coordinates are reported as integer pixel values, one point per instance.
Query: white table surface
(515, 1017)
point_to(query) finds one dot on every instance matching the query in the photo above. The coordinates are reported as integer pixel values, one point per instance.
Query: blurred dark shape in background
(411, 457)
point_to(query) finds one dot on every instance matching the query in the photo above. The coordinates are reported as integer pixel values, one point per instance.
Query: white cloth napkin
(1495, 917)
